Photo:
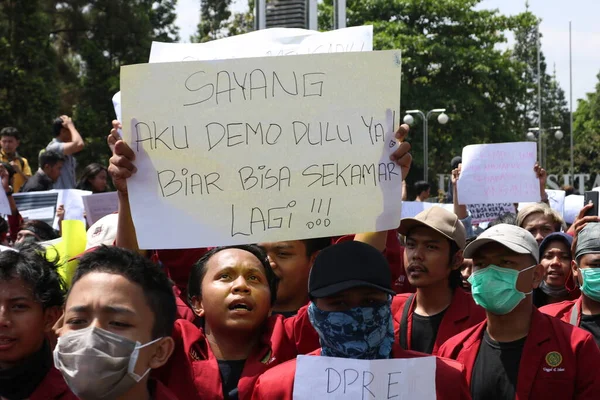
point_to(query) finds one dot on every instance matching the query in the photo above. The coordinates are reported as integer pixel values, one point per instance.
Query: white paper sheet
(267, 42)
(319, 377)
(498, 173)
(300, 150)
(100, 205)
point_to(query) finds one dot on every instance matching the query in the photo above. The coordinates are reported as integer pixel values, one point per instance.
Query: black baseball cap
(347, 265)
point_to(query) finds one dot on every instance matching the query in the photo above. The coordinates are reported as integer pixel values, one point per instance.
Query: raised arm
(121, 168)
(403, 158)
(76, 144)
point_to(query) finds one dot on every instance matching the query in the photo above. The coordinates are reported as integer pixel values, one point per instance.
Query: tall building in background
(287, 14)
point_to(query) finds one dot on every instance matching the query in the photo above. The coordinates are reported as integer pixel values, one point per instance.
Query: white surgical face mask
(98, 364)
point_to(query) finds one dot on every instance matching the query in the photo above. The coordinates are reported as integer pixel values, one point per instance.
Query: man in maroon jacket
(351, 294)
(518, 352)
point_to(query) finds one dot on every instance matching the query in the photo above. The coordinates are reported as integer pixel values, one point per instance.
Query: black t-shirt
(496, 369)
(591, 323)
(286, 314)
(424, 331)
(231, 371)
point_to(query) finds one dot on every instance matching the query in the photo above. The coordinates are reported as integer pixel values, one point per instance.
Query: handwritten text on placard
(489, 212)
(263, 149)
(498, 173)
(320, 377)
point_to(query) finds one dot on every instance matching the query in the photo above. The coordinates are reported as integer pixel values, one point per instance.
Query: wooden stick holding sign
(262, 149)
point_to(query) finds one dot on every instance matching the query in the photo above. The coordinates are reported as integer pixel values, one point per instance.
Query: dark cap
(553, 237)
(348, 265)
(588, 240)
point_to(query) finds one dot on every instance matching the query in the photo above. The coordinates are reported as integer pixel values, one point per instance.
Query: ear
(576, 273)
(53, 319)
(197, 306)
(163, 350)
(457, 261)
(538, 275)
(313, 257)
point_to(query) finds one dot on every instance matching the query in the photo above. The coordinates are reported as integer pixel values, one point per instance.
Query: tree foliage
(451, 59)
(63, 57)
(586, 132)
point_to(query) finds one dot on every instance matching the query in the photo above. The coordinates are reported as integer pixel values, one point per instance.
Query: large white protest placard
(319, 377)
(498, 173)
(489, 212)
(267, 42)
(262, 43)
(263, 149)
(100, 205)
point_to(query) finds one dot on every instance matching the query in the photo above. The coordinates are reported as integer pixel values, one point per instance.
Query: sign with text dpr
(319, 377)
(262, 149)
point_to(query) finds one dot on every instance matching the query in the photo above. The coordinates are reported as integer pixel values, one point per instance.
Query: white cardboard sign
(263, 149)
(319, 377)
(498, 173)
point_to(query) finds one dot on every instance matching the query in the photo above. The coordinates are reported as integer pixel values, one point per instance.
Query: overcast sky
(555, 15)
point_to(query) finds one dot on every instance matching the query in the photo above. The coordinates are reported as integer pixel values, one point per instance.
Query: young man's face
(53, 171)
(557, 263)
(23, 322)
(496, 254)
(113, 303)
(235, 292)
(9, 144)
(292, 266)
(539, 225)
(428, 256)
(24, 235)
(352, 298)
(466, 269)
(591, 260)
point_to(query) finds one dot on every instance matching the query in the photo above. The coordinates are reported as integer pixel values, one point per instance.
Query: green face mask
(495, 288)
(591, 283)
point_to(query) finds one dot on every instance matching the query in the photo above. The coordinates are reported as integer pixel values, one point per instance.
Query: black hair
(199, 269)
(57, 126)
(50, 158)
(10, 169)
(316, 244)
(90, 172)
(3, 226)
(155, 284)
(455, 278)
(470, 239)
(41, 229)
(31, 266)
(455, 161)
(10, 131)
(421, 186)
(506, 218)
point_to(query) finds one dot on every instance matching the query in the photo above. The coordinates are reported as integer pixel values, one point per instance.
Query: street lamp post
(534, 133)
(442, 119)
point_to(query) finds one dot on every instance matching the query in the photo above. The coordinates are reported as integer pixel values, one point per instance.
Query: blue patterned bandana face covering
(365, 333)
